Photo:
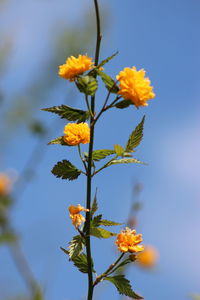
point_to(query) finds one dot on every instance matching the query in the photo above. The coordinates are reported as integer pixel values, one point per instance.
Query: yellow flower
(76, 134)
(128, 240)
(5, 184)
(77, 219)
(134, 86)
(148, 258)
(75, 66)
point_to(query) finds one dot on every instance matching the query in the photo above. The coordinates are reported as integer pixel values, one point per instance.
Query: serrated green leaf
(123, 104)
(87, 85)
(105, 61)
(94, 205)
(109, 82)
(101, 154)
(80, 261)
(65, 170)
(101, 233)
(96, 221)
(123, 286)
(59, 140)
(119, 150)
(109, 223)
(76, 245)
(135, 137)
(69, 113)
(125, 161)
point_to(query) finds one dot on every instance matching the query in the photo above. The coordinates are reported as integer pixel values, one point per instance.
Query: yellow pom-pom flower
(5, 184)
(76, 133)
(147, 258)
(76, 217)
(75, 66)
(134, 86)
(128, 240)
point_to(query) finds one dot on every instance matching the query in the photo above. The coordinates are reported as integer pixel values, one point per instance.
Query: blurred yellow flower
(77, 219)
(134, 86)
(147, 258)
(5, 184)
(75, 66)
(128, 240)
(76, 133)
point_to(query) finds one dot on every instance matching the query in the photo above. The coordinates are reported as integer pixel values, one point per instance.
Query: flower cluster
(5, 184)
(134, 86)
(75, 66)
(76, 217)
(76, 133)
(128, 240)
(147, 258)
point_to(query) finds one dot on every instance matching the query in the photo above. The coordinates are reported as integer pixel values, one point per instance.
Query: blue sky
(162, 38)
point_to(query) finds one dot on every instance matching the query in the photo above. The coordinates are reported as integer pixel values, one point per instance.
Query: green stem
(104, 166)
(109, 270)
(79, 152)
(88, 106)
(89, 170)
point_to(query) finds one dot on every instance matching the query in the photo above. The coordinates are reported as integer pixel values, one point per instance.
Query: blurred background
(163, 198)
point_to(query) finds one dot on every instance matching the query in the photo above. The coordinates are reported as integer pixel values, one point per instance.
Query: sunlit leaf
(105, 61)
(59, 141)
(101, 154)
(135, 137)
(125, 161)
(119, 150)
(80, 261)
(76, 245)
(65, 170)
(109, 223)
(123, 286)
(94, 205)
(69, 113)
(101, 233)
(109, 82)
(87, 85)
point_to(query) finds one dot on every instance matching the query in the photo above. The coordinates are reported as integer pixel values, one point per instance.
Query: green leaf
(109, 223)
(123, 286)
(65, 170)
(119, 150)
(123, 104)
(96, 221)
(59, 140)
(7, 238)
(69, 113)
(5, 201)
(125, 161)
(80, 261)
(109, 82)
(94, 205)
(101, 154)
(76, 245)
(105, 61)
(101, 233)
(87, 85)
(135, 137)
